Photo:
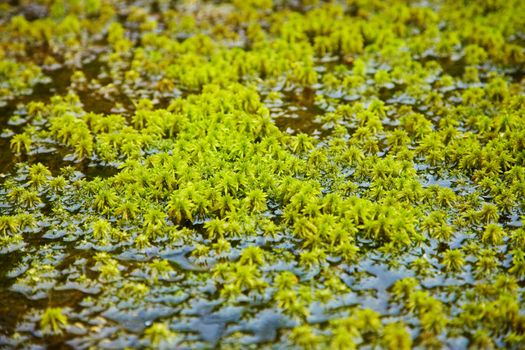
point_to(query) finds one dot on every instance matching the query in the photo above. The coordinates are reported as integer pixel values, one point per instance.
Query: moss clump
(53, 321)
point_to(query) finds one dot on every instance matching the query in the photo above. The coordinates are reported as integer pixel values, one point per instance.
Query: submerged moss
(263, 174)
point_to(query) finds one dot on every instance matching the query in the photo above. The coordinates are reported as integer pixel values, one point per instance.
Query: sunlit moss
(53, 321)
(259, 173)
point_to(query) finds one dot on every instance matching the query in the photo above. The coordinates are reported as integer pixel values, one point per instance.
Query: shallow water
(60, 263)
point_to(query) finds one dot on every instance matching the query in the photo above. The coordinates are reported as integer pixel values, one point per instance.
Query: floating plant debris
(262, 174)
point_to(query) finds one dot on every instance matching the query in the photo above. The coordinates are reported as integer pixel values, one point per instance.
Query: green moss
(263, 174)
(53, 321)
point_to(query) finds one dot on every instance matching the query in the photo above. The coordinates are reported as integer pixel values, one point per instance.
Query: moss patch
(262, 174)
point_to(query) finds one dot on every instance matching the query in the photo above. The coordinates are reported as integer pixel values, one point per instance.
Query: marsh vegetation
(262, 174)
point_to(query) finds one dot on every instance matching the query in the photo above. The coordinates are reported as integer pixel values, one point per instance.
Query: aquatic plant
(263, 174)
(453, 260)
(158, 334)
(53, 321)
(21, 141)
(395, 336)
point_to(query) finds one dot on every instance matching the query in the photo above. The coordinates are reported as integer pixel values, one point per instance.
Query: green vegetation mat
(257, 174)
